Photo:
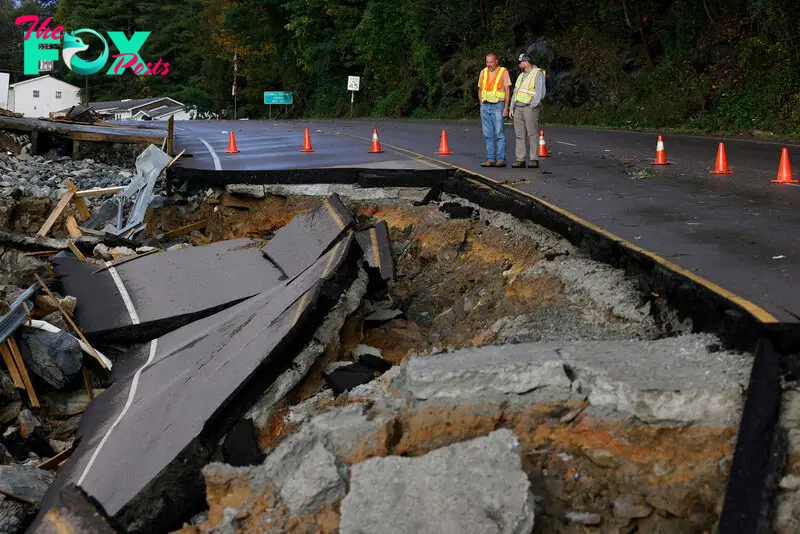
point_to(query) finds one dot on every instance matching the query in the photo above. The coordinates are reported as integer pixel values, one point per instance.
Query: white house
(38, 97)
(142, 109)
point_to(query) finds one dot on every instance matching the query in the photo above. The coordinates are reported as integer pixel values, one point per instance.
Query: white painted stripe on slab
(126, 298)
(131, 396)
(217, 165)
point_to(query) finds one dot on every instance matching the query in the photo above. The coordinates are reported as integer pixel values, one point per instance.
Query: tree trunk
(645, 46)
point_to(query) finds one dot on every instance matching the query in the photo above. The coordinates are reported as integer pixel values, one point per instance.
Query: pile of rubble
(25, 175)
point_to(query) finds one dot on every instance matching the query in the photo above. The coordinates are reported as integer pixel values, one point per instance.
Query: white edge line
(217, 165)
(126, 298)
(131, 395)
(565, 143)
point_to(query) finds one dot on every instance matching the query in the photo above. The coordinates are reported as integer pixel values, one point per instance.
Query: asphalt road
(737, 231)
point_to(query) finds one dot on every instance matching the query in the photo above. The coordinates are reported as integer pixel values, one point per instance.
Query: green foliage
(716, 65)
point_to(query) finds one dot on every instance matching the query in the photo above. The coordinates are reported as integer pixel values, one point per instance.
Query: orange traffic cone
(306, 142)
(543, 153)
(376, 145)
(722, 162)
(232, 144)
(785, 170)
(444, 147)
(661, 156)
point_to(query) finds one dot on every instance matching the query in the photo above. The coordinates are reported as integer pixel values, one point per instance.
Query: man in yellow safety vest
(494, 85)
(525, 107)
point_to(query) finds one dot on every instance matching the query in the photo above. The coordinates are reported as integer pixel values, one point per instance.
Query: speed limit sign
(353, 83)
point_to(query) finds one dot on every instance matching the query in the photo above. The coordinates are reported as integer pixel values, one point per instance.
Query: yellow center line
(334, 215)
(373, 237)
(752, 308)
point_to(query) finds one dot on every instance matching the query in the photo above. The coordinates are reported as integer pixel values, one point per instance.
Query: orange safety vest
(497, 92)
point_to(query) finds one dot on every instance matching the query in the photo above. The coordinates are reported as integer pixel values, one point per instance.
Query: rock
(70, 402)
(316, 481)
(27, 482)
(27, 423)
(57, 320)
(245, 190)
(790, 483)
(475, 486)
(349, 376)
(631, 507)
(67, 429)
(54, 357)
(122, 252)
(665, 525)
(45, 304)
(102, 252)
(68, 304)
(375, 363)
(302, 411)
(145, 250)
(10, 411)
(379, 317)
(376, 389)
(582, 518)
(8, 392)
(677, 500)
(179, 246)
(59, 446)
(601, 457)
(24, 481)
(360, 350)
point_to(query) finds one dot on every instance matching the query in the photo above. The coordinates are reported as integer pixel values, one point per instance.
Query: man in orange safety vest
(494, 85)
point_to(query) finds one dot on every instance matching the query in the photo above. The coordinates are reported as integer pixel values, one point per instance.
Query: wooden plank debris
(183, 230)
(17, 498)
(23, 371)
(65, 198)
(75, 250)
(42, 253)
(80, 205)
(12, 367)
(57, 460)
(87, 383)
(72, 227)
(102, 191)
(70, 321)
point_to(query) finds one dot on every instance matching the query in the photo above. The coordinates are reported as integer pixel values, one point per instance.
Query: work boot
(518, 164)
(487, 163)
(500, 163)
(534, 164)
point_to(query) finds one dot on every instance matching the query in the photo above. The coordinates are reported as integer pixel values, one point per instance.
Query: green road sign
(277, 97)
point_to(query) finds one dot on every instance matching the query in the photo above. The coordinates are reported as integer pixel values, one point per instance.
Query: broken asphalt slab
(142, 444)
(151, 295)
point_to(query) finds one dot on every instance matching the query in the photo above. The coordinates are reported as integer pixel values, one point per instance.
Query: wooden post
(170, 133)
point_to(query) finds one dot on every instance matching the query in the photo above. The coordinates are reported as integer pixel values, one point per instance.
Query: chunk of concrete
(316, 481)
(246, 190)
(55, 357)
(475, 486)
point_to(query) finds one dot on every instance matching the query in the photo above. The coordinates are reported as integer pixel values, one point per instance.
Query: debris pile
(23, 175)
(312, 364)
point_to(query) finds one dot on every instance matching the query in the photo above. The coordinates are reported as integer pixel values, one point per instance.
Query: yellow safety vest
(526, 91)
(497, 92)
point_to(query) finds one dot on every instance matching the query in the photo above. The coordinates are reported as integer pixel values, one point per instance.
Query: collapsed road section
(285, 350)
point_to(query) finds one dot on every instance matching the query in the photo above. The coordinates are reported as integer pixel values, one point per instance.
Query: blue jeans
(493, 130)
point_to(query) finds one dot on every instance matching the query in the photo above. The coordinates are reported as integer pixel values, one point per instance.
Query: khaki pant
(526, 128)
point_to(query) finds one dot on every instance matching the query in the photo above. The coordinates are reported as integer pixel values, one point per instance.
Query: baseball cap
(525, 57)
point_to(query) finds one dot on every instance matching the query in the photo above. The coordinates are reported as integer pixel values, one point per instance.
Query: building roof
(115, 106)
(41, 78)
(161, 111)
(128, 104)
